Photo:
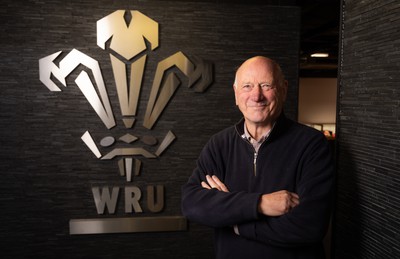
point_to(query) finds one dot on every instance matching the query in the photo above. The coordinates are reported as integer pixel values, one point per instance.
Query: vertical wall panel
(47, 172)
(368, 201)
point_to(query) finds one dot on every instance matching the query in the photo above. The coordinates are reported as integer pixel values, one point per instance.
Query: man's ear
(234, 91)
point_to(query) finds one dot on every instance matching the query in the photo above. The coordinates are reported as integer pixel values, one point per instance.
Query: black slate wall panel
(368, 199)
(46, 170)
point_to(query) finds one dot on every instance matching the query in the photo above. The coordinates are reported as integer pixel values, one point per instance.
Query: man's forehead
(259, 75)
(257, 65)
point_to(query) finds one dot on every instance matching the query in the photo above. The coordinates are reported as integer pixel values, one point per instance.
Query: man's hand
(214, 182)
(277, 203)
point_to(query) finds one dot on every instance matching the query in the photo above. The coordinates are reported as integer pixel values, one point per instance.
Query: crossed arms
(282, 217)
(272, 204)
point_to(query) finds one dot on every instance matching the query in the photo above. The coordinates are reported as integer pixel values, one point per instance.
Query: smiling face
(260, 91)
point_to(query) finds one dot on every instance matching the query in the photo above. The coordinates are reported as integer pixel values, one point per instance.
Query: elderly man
(266, 183)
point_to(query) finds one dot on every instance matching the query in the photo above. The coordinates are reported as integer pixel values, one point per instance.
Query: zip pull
(255, 163)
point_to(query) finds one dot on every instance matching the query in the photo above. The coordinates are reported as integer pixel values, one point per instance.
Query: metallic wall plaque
(124, 225)
(126, 42)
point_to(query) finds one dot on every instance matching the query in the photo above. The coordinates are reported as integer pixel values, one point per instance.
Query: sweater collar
(279, 125)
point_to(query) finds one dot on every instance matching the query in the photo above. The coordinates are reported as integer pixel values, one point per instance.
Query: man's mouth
(257, 105)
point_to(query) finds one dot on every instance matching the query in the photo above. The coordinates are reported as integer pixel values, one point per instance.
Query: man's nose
(257, 92)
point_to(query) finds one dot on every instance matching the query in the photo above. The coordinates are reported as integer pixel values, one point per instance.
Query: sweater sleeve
(212, 207)
(307, 223)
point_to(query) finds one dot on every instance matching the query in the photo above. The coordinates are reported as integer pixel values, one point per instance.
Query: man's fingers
(214, 182)
(211, 182)
(205, 185)
(220, 184)
(294, 199)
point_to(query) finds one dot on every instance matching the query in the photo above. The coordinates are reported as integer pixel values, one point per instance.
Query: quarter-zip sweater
(256, 143)
(294, 157)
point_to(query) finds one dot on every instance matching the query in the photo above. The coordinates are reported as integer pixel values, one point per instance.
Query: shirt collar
(248, 137)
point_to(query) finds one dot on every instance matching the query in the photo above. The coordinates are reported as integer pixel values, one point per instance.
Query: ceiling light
(320, 55)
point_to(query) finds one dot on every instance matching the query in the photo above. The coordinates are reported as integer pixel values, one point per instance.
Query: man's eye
(267, 87)
(246, 87)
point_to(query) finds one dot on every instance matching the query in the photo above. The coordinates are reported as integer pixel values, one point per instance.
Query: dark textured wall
(46, 170)
(368, 200)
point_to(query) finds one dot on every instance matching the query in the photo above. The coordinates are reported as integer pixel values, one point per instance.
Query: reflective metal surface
(128, 224)
(132, 197)
(127, 39)
(128, 122)
(87, 139)
(128, 138)
(128, 169)
(128, 96)
(107, 141)
(160, 95)
(128, 152)
(165, 143)
(155, 198)
(72, 60)
(149, 140)
(127, 166)
(105, 198)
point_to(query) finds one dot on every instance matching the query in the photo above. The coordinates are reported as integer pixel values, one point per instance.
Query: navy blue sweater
(294, 157)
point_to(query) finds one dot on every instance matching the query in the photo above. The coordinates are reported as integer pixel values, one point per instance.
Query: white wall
(317, 102)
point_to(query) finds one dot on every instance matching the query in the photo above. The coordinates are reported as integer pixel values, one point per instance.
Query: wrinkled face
(259, 93)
